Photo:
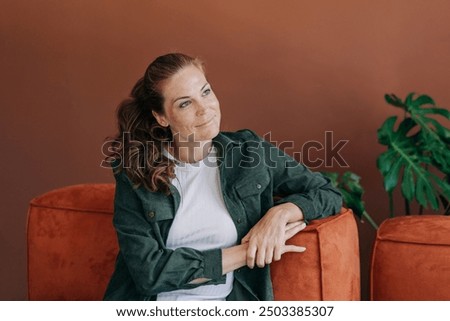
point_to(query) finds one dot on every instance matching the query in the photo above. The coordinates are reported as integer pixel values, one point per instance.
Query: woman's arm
(235, 257)
(242, 258)
(267, 238)
(303, 195)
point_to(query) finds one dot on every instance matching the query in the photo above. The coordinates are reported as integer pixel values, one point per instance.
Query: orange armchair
(411, 259)
(72, 248)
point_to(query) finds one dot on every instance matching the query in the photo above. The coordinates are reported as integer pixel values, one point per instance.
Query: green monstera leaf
(418, 144)
(352, 192)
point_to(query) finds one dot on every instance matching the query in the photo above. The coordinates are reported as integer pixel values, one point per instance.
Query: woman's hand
(266, 240)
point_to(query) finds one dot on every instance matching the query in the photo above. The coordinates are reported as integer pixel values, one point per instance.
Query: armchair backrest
(72, 247)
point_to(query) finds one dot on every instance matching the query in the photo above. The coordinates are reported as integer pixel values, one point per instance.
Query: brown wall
(294, 68)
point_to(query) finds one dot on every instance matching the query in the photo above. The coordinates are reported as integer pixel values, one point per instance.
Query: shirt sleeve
(293, 182)
(156, 269)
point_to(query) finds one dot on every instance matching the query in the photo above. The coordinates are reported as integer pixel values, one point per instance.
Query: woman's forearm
(234, 257)
(292, 212)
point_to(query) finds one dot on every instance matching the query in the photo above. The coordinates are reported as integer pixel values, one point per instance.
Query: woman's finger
(251, 255)
(292, 225)
(278, 251)
(261, 256)
(294, 248)
(290, 233)
(269, 255)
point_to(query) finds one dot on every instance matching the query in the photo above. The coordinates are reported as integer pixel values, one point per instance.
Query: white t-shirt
(201, 222)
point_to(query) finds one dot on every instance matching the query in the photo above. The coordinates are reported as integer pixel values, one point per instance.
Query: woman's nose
(201, 108)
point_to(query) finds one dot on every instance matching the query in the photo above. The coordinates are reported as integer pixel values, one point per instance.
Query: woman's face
(191, 108)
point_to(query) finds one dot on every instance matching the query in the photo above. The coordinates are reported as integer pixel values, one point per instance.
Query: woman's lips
(206, 123)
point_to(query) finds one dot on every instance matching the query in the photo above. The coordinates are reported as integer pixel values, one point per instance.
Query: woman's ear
(160, 119)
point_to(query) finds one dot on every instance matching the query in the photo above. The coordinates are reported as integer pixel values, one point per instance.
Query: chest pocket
(157, 206)
(159, 213)
(251, 190)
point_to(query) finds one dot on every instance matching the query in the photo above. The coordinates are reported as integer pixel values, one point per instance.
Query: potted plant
(417, 155)
(417, 158)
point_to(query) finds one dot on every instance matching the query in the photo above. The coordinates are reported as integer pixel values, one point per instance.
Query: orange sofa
(411, 259)
(72, 248)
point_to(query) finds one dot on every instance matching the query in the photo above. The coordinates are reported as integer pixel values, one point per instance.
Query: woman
(194, 207)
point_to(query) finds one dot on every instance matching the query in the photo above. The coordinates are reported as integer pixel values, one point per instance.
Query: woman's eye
(206, 92)
(185, 104)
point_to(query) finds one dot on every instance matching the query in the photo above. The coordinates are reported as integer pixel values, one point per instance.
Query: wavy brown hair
(137, 147)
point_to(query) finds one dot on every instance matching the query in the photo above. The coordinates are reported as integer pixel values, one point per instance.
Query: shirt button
(239, 220)
(258, 186)
(151, 214)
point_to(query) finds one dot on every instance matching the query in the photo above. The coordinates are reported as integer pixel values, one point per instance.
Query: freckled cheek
(218, 112)
(216, 107)
(185, 124)
(214, 102)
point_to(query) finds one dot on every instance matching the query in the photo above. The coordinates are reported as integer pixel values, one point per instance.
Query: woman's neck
(190, 152)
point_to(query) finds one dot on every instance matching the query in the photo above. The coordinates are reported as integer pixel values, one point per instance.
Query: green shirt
(253, 174)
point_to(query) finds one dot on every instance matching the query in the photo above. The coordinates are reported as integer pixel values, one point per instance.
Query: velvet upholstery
(72, 248)
(411, 259)
(328, 269)
(72, 245)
